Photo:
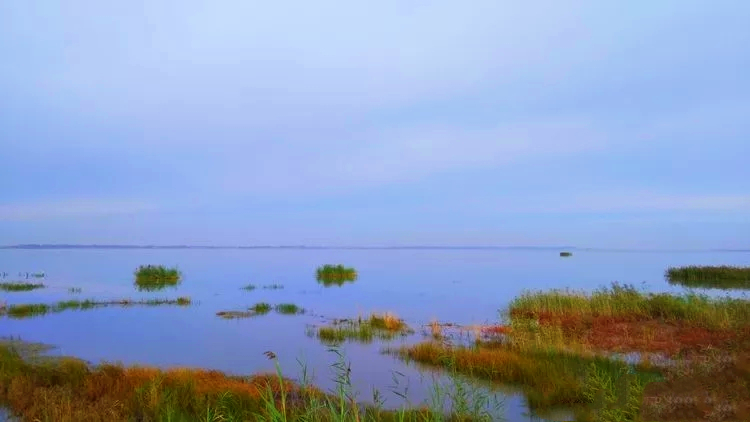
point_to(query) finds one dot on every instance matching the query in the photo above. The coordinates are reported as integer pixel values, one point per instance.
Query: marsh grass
(156, 277)
(249, 287)
(566, 254)
(273, 286)
(19, 286)
(330, 275)
(288, 309)
(720, 277)
(73, 290)
(39, 309)
(625, 301)
(378, 326)
(68, 389)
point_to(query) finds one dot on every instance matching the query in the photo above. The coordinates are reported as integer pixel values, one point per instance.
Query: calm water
(460, 286)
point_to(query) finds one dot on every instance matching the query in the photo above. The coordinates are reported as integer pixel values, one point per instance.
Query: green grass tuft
(330, 275)
(20, 286)
(720, 277)
(156, 277)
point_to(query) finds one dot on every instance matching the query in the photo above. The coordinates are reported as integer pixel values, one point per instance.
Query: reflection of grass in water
(335, 275)
(37, 309)
(20, 286)
(720, 277)
(156, 277)
(377, 326)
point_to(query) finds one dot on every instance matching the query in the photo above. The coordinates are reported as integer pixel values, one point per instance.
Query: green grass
(67, 389)
(156, 277)
(376, 327)
(721, 277)
(261, 308)
(19, 286)
(330, 275)
(288, 309)
(565, 254)
(626, 301)
(39, 309)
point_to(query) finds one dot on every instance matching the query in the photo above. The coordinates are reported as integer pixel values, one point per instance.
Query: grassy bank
(720, 277)
(19, 286)
(39, 309)
(156, 277)
(67, 390)
(557, 347)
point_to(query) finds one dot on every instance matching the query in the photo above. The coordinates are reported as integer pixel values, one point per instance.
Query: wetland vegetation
(720, 277)
(561, 348)
(20, 286)
(330, 275)
(156, 277)
(262, 308)
(39, 309)
(566, 254)
(385, 326)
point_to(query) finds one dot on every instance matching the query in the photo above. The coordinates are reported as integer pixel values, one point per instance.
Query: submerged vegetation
(156, 277)
(378, 326)
(20, 286)
(330, 275)
(38, 309)
(721, 277)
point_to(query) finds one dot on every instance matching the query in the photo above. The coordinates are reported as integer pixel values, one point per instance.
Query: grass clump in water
(273, 286)
(73, 290)
(156, 277)
(720, 277)
(288, 309)
(249, 287)
(378, 326)
(20, 286)
(335, 275)
(27, 310)
(566, 254)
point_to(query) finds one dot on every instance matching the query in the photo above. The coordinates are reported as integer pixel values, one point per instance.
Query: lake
(450, 285)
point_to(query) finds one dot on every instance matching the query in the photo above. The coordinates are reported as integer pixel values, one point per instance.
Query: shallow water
(459, 286)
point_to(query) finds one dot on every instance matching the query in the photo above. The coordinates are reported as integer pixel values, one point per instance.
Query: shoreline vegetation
(330, 275)
(719, 277)
(564, 348)
(688, 359)
(68, 389)
(156, 277)
(20, 286)
(29, 310)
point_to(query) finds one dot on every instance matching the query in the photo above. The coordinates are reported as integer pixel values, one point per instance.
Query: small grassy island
(330, 275)
(719, 277)
(156, 277)
(19, 286)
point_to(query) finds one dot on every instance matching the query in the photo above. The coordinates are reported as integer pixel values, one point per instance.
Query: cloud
(80, 208)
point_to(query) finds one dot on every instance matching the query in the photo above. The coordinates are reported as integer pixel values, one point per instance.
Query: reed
(156, 277)
(20, 286)
(720, 277)
(378, 326)
(288, 309)
(249, 287)
(335, 275)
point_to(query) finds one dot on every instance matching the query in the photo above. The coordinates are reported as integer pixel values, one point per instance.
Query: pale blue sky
(591, 123)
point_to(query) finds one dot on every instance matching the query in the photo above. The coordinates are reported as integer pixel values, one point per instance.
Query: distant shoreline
(301, 247)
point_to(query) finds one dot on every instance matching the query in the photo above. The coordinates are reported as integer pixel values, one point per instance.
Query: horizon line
(188, 246)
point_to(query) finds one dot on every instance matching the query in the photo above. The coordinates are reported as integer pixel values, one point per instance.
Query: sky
(397, 122)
